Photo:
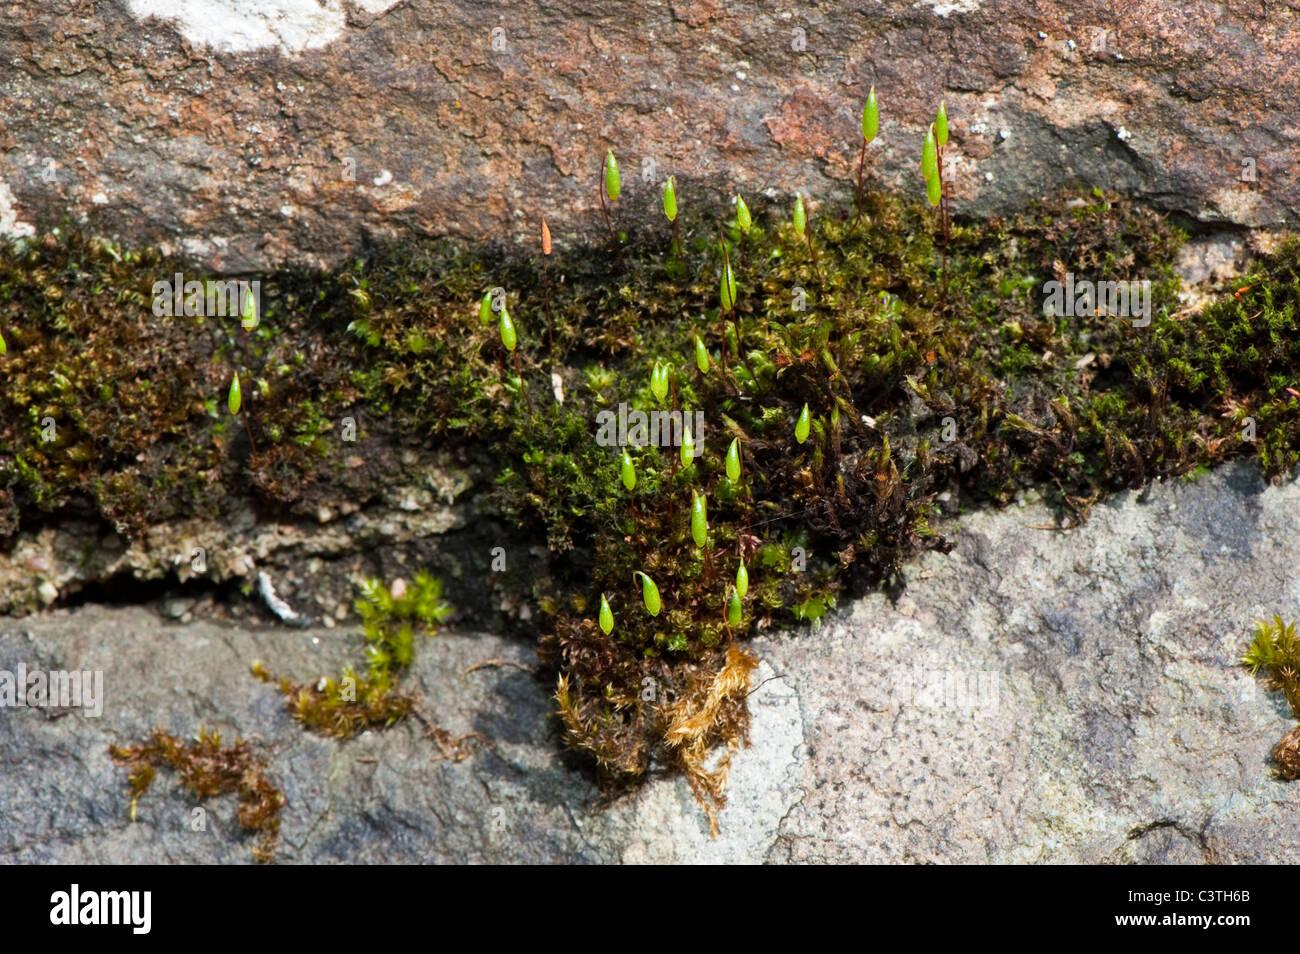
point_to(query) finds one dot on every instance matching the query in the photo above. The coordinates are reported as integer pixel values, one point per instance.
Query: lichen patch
(241, 26)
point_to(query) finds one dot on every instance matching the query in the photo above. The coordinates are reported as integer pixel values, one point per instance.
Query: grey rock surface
(243, 133)
(1037, 695)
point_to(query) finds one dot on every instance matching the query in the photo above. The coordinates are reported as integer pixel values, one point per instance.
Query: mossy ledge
(932, 379)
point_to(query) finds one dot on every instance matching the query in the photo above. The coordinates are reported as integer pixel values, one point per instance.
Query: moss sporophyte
(818, 445)
(744, 221)
(701, 356)
(699, 518)
(870, 127)
(611, 187)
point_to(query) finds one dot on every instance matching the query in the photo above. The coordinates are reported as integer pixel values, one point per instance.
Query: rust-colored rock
(288, 130)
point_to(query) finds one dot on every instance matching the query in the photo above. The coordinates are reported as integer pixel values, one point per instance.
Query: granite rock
(243, 134)
(1037, 695)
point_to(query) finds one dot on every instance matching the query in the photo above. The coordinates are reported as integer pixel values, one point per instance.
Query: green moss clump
(95, 390)
(1230, 371)
(888, 348)
(1275, 652)
(391, 617)
(110, 410)
(933, 376)
(208, 769)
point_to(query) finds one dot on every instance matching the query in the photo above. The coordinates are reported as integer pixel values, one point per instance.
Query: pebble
(47, 592)
(176, 607)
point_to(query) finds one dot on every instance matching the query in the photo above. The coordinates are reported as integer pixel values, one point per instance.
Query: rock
(70, 553)
(380, 797)
(1211, 258)
(243, 134)
(47, 592)
(1065, 697)
(1033, 696)
(175, 606)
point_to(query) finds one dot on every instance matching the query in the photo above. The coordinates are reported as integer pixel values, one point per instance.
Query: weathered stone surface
(312, 561)
(381, 797)
(246, 133)
(1105, 717)
(1093, 711)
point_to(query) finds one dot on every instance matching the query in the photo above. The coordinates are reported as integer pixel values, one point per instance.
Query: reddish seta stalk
(857, 193)
(945, 227)
(604, 207)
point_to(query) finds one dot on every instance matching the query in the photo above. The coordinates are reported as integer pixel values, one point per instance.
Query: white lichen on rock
(943, 8)
(239, 26)
(10, 225)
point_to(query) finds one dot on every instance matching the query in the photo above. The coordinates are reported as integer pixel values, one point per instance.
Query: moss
(208, 769)
(934, 379)
(924, 379)
(392, 619)
(1274, 653)
(1286, 755)
(112, 410)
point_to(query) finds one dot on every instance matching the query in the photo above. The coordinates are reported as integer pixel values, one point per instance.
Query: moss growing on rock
(392, 618)
(110, 411)
(920, 390)
(208, 769)
(1274, 653)
(933, 379)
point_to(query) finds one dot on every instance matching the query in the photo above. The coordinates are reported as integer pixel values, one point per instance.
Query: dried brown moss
(207, 769)
(1286, 756)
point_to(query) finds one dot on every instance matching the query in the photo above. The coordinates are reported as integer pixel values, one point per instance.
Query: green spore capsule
(929, 156)
(800, 215)
(734, 610)
(743, 219)
(803, 426)
(507, 328)
(742, 579)
(699, 518)
(4, 348)
(933, 190)
(670, 198)
(727, 288)
(659, 381)
(248, 314)
(701, 356)
(870, 117)
(688, 444)
(941, 125)
(733, 460)
(234, 397)
(485, 308)
(627, 471)
(649, 594)
(606, 616)
(613, 181)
